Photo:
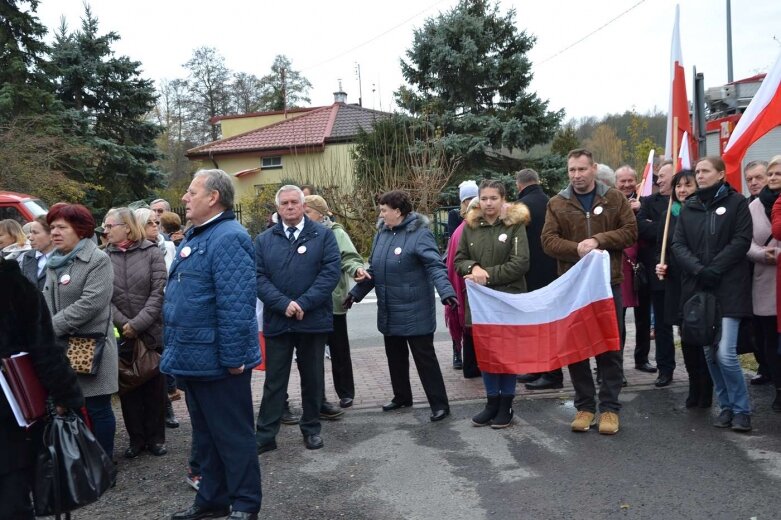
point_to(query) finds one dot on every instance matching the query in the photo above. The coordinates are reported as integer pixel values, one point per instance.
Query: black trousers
(665, 342)
(341, 364)
(422, 348)
(643, 326)
(766, 335)
(695, 362)
(221, 413)
(468, 356)
(309, 349)
(15, 494)
(610, 366)
(143, 410)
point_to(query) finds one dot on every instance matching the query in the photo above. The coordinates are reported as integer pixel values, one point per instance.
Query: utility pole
(360, 86)
(699, 113)
(729, 42)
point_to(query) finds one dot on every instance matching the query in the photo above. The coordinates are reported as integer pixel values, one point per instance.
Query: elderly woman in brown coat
(139, 279)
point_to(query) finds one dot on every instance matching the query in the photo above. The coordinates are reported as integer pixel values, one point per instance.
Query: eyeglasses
(159, 211)
(152, 223)
(108, 227)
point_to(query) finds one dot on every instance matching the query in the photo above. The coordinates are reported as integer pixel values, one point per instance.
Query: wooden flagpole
(670, 202)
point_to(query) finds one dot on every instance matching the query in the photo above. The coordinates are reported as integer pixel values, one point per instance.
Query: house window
(271, 163)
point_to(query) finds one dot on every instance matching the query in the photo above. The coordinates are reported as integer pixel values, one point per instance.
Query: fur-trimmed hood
(516, 213)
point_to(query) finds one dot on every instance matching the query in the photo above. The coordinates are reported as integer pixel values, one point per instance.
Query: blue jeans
(725, 370)
(104, 424)
(499, 384)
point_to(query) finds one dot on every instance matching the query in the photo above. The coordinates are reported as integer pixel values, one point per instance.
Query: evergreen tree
(107, 103)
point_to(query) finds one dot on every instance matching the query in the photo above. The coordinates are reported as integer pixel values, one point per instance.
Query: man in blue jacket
(211, 346)
(298, 267)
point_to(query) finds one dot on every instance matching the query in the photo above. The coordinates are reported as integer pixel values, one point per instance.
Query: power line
(329, 60)
(568, 47)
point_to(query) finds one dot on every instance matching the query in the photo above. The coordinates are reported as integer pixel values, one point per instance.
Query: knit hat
(317, 203)
(467, 190)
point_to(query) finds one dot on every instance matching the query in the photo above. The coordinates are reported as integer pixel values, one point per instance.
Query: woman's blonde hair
(13, 228)
(775, 160)
(126, 216)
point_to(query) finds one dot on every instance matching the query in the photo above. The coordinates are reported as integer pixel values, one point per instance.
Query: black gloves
(348, 302)
(708, 278)
(451, 302)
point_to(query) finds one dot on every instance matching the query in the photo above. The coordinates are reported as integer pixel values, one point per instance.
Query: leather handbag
(143, 365)
(639, 275)
(701, 324)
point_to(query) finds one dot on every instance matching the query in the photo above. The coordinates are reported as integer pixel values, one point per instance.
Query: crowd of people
(202, 300)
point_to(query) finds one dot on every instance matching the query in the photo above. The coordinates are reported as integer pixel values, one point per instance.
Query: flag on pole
(679, 103)
(646, 186)
(684, 158)
(572, 319)
(761, 116)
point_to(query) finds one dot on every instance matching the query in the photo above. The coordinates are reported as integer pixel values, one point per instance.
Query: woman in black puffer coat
(711, 240)
(25, 326)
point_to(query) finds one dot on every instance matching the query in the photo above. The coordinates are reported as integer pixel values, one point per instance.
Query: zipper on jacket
(588, 223)
(515, 239)
(713, 223)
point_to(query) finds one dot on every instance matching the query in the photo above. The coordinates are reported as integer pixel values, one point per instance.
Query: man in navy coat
(298, 266)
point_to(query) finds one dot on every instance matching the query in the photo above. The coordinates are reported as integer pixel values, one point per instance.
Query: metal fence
(440, 226)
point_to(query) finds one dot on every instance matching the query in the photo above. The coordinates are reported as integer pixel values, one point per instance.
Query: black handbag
(72, 470)
(701, 324)
(639, 275)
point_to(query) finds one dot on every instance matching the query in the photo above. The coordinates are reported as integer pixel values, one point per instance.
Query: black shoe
(458, 363)
(195, 512)
(489, 412)
(170, 418)
(760, 379)
(741, 423)
(330, 412)
(438, 415)
(724, 420)
(313, 442)
(269, 446)
(346, 402)
(243, 515)
(646, 367)
(158, 450)
(288, 417)
(393, 405)
(544, 382)
(663, 380)
(505, 415)
(133, 452)
(527, 378)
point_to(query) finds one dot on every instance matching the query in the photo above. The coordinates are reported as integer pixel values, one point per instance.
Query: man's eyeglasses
(159, 211)
(108, 227)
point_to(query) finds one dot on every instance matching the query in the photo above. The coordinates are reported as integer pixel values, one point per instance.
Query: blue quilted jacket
(209, 309)
(405, 268)
(305, 271)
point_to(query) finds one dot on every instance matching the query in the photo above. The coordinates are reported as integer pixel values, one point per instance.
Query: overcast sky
(623, 65)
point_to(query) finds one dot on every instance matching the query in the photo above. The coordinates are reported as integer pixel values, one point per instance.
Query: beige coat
(763, 285)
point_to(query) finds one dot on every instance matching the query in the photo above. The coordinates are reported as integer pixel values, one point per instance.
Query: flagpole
(670, 201)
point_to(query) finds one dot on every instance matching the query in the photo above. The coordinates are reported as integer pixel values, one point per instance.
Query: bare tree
(208, 92)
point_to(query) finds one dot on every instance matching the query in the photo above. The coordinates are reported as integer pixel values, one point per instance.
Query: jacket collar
(568, 192)
(412, 222)
(86, 252)
(226, 215)
(528, 190)
(143, 244)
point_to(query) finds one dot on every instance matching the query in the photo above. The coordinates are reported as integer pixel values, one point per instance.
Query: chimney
(340, 96)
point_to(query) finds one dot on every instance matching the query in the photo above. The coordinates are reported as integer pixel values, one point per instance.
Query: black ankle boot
(458, 363)
(505, 415)
(706, 391)
(693, 399)
(489, 412)
(170, 417)
(777, 401)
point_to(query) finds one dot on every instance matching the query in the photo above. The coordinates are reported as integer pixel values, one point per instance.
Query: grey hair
(754, 164)
(165, 202)
(606, 175)
(219, 181)
(527, 176)
(142, 216)
(289, 187)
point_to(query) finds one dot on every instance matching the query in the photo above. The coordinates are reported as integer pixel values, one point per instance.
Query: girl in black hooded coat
(25, 326)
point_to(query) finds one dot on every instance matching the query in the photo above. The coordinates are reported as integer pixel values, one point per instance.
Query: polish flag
(761, 116)
(679, 104)
(572, 319)
(646, 186)
(684, 158)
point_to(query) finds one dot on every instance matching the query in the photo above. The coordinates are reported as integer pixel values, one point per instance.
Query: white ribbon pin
(301, 250)
(721, 210)
(503, 237)
(598, 210)
(397, 251)
(65, 279)
(185, 252)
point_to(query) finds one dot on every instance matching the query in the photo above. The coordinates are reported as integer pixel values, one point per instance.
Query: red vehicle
(20, 207)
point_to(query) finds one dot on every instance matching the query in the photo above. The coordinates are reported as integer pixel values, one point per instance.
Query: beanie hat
(467, 190)
(317, 203)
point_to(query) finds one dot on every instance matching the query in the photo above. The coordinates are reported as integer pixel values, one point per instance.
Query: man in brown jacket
(584, 216)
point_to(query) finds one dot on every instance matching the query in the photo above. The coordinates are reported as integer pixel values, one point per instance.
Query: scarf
(706, 195)
(676, 209)
(58, 262)
(768, 197)
(125, 245)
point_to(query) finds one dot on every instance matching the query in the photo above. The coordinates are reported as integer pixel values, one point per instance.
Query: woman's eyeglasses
(108, 227)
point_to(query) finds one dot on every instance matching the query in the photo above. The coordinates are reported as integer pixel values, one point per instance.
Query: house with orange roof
(311, 145)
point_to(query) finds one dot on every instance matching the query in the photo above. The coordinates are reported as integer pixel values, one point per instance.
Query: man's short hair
(310, 187)
(666, 162)
(627, 167)
(219, 181)
(289, 187)
(579, 152)
(606, 175)
(527, 176)
(166, 205)
(754, 164)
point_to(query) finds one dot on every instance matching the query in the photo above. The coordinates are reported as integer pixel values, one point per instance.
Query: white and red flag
(684, 157)
(572, 319)
(646, 186)
(761, 116)
(678, 113)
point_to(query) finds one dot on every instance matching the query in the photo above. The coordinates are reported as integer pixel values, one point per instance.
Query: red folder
(25, 385)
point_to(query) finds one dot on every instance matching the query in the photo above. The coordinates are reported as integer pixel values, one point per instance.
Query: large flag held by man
(678, 121)
(761, 116)
(572, 319)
